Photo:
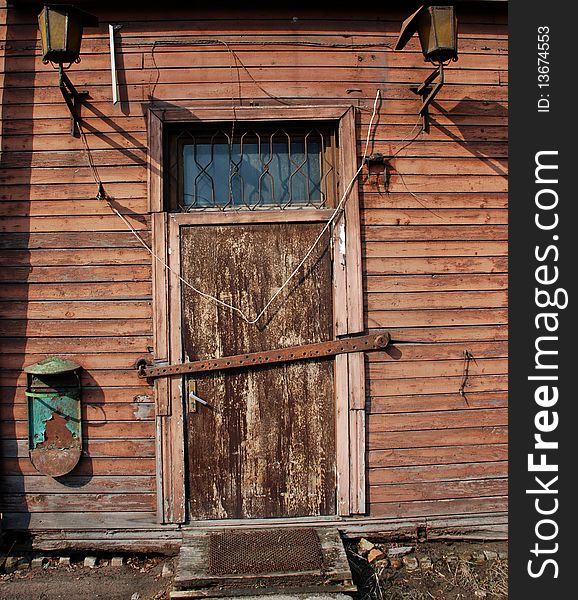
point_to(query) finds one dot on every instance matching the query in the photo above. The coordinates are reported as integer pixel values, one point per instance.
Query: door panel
(265, 447)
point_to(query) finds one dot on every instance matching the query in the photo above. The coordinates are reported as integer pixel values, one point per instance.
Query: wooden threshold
(261, 560)
(269, 590)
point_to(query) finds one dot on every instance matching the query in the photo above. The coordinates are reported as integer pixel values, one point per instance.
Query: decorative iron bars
(250, 167)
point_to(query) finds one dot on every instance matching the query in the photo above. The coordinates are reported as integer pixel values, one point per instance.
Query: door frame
(349, 380)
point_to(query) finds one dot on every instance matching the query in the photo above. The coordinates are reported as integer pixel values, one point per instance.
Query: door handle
(192, 398)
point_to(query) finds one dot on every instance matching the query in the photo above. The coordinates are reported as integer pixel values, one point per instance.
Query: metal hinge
(365, 343)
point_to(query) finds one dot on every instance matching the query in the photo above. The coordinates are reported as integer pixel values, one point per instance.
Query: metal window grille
(247, 167)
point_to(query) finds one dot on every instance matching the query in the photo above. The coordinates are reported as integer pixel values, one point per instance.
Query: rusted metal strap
(366, 343)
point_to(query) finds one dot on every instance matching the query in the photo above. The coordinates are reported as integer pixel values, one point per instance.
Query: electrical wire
(102, 195)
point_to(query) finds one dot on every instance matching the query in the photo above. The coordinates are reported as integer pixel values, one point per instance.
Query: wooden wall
(76, 283)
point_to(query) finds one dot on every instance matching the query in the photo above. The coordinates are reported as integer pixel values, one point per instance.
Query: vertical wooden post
(176, 505)
(355, 317)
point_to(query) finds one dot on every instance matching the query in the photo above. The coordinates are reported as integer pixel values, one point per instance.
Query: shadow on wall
(23, 339)
(464, 125)
(15, 240)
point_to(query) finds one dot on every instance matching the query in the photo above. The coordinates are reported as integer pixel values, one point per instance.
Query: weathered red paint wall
(76, 283)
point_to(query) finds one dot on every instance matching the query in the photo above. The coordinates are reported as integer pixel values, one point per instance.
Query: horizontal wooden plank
(490, 150)
(63, 224)
(401, 111)
(207, 90)
(91, 396)
(437, 368)
(86, 503)
(92, 412)
(198, 73)
(436, 473)
(438, 420)
(439, 300)
(427, 509)
(422, 184)
(74, 175)
(408, 492)
(448, 334)
(59, 190)
(434, 282)
(405, 457)
(93, 448)
(439, 351)
(384, 440)
(72, 239)
(447, 146)
(99, 520)
(435, 265)
(261, 55)
(76, 274)
(56, 125)
(157, 542)
(443, 166)
(89, 466)
(94, 361)
(468, 527)
(81, 327)
(464, 133)
(434, 318)
(80, 257)
(67, 207)
(441, 216)
(458, 112)
(430, 249)
(437, 231)
(58, 141)
(434, 402)
(77, 484)
(438, 385)
(346, 34)
(119, 430)
(94, 378)
(79, 309)
(69, 158)
(371, 199)
(71, 346)
(136, 290)
(268, 21)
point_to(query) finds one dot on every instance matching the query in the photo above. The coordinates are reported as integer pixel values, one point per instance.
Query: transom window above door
(243, 166)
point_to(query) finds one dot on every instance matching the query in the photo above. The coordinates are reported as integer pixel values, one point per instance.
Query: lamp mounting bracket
(429, 93)
(73, 99)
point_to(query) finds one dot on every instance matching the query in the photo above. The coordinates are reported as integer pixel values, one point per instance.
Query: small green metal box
(54, 415)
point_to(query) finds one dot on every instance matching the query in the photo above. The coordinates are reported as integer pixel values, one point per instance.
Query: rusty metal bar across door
(365, 343)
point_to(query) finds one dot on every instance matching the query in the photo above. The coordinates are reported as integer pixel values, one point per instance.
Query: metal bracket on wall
(365, 343)
(428, 93)
(73, 100)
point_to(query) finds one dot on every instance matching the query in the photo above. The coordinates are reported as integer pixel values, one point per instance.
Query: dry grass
(471, 581)
(451, 578)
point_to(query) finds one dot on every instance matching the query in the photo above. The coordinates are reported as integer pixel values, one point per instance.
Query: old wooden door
(265, 445)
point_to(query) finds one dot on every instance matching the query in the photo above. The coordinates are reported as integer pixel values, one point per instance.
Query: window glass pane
(277, 168)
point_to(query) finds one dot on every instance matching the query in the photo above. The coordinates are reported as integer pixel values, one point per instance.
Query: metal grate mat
(269, 551)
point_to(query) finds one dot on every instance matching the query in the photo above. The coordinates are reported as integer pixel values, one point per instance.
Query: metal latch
(192, 397)
(364, 343)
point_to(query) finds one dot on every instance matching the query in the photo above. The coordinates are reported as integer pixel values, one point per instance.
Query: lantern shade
(438, 33)
(437, 27)
(61, 28)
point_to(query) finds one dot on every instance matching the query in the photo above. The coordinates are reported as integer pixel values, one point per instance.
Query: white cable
(235, 309)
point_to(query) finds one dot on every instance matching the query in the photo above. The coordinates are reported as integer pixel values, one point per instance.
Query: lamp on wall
(437, 27)
(61, 27)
